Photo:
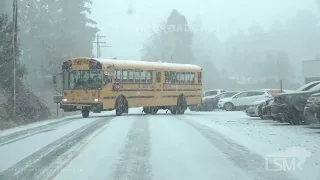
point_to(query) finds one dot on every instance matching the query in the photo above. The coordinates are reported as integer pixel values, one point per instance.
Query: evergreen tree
(28, 105)
(55, 31)
(6, 56)
(171, 42)
(74, 33)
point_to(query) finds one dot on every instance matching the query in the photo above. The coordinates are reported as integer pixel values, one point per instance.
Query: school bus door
(108, 80)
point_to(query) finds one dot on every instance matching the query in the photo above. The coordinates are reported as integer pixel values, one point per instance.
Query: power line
(98, 42)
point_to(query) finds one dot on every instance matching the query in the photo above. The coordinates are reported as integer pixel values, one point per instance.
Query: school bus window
(187, 77)
(199, 77)
(137, 75)
(131, 75)
(166, 77)
(172, 77)
(177, 78)
(124, 75)
(143, 76)
(171, 74)
(158, 76)
(107, 77)
(146, 76)
(192, 80)
(118, 75)
(182, 78)
(149, 76)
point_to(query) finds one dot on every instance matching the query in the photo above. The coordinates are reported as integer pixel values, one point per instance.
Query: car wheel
(228, 106)
(210, 107)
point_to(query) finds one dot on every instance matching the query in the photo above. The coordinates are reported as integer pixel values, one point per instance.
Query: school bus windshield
(82, 80)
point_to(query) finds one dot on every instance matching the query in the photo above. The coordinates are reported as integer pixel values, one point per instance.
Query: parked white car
(212, 93)
(253, 110)
(243, 99)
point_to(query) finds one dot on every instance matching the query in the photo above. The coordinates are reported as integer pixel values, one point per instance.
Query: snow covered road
(196, 145)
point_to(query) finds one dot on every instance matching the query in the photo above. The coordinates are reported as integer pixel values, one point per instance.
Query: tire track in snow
(240, 155)
(134, 158)
(37, 163)
(16, 136)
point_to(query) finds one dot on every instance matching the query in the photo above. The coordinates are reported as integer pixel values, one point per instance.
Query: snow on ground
(15, 151)
(179, 152)
(35, 124)
(97, 159)
(266, 137)
(165, 146)
(150, 147)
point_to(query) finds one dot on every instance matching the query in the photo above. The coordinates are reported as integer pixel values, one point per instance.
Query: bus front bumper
(95, 107)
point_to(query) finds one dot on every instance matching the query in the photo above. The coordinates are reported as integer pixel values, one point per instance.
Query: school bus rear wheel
(121, 105)
(181, 104)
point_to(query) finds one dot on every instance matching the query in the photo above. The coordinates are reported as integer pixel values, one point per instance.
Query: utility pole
(14, 41)
(279, 75)
(98, 42)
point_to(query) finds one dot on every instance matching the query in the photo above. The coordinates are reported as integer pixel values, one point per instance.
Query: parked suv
(212, 103)
(212, 93)
(243, 100)
(312, 108)
(289, 107)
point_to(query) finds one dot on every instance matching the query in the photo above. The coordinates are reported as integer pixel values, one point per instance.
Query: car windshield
(307, 86)
(315, 88)
(236, 94)
(210, 93)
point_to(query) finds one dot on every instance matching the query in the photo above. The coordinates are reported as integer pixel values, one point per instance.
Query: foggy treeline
(251, 58)
(49, 32)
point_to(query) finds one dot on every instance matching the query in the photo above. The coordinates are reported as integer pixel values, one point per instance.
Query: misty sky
(126, 33)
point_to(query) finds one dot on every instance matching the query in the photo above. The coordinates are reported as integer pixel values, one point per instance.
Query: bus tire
(85, 112)
(181, 104)
(120, 105)
(173, 110)
(147, 110)
(154, 110)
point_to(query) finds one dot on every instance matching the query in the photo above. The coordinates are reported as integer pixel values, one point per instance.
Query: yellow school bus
(96, 85)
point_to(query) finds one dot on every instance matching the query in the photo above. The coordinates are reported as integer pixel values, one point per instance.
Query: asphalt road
(204, 146)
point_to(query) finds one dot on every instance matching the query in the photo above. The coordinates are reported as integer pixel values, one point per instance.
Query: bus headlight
(64, 100)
